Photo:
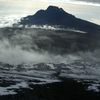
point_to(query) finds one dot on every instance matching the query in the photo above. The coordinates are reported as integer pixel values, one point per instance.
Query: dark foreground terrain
(65, 90)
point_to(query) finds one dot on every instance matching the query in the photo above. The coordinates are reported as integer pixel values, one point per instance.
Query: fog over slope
(20, 45)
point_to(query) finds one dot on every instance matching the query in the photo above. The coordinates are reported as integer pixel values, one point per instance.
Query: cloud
(18, 49)
(95, 20)
(23, 47)
(63, 1)
(93, 1)
(16, 55)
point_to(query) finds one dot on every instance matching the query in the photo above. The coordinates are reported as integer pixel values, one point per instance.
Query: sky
(84, 9)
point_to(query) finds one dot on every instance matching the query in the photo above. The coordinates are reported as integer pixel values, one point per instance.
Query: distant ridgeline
(57, 16)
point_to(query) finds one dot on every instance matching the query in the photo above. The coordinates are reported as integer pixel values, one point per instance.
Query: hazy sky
(85, 9)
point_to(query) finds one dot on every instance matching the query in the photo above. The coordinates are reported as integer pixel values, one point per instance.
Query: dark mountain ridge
(57, 16)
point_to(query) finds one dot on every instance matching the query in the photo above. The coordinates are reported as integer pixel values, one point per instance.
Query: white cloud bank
(81, 2)
(16, 55)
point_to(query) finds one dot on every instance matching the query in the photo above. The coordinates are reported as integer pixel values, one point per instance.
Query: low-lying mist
(16, 55)
(19, 46)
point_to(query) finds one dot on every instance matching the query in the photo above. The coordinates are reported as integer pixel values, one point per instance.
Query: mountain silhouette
(57, 16)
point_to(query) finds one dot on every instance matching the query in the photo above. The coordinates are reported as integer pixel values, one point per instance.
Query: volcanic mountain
(57, 16)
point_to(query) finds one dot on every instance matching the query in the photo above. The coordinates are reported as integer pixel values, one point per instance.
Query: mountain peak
(57, 16)
(54, 8)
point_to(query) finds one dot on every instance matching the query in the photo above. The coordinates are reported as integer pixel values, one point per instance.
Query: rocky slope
(23, 75)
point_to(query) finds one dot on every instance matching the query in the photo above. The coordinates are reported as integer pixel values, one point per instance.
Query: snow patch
(94, 87)
(43, 73)
(10, 89)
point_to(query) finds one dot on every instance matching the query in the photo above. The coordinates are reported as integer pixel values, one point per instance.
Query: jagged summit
(54, 8)
(57, 16)
(50, 9)
(51, 16)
